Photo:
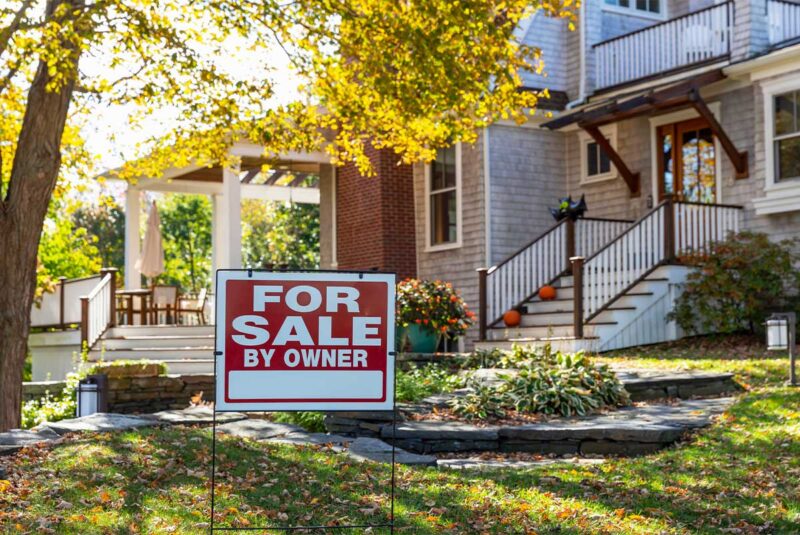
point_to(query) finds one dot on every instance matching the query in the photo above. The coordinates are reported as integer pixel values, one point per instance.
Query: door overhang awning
(679, 94)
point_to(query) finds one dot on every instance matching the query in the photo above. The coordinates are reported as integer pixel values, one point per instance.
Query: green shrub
(737, 284)
(545, 382)
(419, 382)
(310, 421)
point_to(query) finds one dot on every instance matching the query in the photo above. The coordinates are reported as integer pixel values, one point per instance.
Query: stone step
(154, 353)
(627, 431)
(565, 344)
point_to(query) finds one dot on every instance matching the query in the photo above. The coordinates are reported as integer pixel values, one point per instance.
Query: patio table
(144, 294)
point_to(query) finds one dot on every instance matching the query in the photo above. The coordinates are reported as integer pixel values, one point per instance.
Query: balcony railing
(691, 39)
(784, 21)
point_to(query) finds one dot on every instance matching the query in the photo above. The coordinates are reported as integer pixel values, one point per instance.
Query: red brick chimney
(375, 216)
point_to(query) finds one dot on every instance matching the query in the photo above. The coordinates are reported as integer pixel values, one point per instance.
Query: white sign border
(225, 275)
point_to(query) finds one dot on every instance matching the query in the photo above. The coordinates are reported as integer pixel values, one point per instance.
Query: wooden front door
(687, 162)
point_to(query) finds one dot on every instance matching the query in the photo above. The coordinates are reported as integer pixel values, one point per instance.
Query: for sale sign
(304, 341)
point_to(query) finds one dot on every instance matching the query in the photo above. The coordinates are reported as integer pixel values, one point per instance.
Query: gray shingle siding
(527, 177)
(549, 35)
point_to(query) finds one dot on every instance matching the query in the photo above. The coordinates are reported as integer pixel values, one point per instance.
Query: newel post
(61, 302)
(483, 321)
(577, 295)
(112, 306)
(669, 230)
(570, 242)
(84, 321)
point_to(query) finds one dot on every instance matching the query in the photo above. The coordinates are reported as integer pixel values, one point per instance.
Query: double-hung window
(786, 136)
(443, 182)
(646, 6)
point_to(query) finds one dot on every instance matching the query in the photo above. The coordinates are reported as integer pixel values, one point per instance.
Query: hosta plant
(545, 382)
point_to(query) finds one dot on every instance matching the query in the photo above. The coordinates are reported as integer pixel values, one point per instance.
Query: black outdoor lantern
(92, 395)
(781, 336)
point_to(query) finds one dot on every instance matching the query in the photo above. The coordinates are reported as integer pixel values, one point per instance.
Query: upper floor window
(443, 182)
(786, 135)
(648, 6)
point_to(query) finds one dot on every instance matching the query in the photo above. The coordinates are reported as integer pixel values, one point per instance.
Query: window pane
(641, 5)
(450, 167)
(437, 171)
(669, 173)
(706, 172)
(443, 218)
(611, 2)
(591, 159)
(787, 153)
(623, 3)
(605, 164)
(785, 114)
(655, 6)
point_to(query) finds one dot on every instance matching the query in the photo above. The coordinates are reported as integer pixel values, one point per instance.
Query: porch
(691, 41)
(115, 319)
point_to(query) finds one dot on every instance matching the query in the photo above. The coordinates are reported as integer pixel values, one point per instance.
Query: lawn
(740, 476)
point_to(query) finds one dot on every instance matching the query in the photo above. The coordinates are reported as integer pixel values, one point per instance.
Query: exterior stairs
(637, 317)
(185, 349)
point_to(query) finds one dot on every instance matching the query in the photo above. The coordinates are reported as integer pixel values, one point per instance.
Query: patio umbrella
(151, 262)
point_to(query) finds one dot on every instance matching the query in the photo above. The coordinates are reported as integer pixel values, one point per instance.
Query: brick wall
(375, 217)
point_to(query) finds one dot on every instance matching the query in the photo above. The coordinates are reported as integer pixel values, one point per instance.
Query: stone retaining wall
(130, 395)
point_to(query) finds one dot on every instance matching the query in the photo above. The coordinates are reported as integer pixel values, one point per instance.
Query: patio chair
(194, 308)
(164, 300)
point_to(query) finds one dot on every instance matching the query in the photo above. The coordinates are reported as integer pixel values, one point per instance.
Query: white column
(229, 219)
(133, 278)
(218, 250)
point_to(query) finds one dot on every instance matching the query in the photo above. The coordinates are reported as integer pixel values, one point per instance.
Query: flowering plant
(434, 306)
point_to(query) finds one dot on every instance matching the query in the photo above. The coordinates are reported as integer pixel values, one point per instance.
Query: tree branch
(8, 31)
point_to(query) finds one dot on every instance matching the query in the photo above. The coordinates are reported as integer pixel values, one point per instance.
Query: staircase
(615, 280)
(185, 349)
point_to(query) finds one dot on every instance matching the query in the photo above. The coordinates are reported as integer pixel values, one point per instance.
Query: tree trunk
(22, 213)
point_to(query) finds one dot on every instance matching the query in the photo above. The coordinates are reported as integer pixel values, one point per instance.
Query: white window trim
(676, 117)
(610, 132)
(783, 196)
(430, 248)
(633, 12)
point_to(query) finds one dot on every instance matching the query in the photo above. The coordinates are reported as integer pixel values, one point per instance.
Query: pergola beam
(280, 193)
(633, 180)
(738, 158)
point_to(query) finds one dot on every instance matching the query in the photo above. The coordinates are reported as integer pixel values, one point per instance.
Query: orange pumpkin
(547, 293)
(512, 318)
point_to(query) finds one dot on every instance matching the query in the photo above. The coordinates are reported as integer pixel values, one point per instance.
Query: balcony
(692, 39)
(784, 21)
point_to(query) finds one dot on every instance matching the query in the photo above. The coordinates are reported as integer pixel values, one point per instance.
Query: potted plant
(427, 311)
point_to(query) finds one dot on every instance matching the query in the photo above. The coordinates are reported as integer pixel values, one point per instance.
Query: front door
(687, 162)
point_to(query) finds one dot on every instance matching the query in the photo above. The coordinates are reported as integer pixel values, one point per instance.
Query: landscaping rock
(258, 429)
(97, 422)
(16, 439)
(476, 463)
(194, 415)
(379, 451)
(439, 430)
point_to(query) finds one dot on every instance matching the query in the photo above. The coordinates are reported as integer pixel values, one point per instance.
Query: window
(786, 136)
(648, 6)
(595, 164)
(442, 184)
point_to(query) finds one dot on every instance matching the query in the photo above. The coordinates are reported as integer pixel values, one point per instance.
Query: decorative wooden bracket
(738, 159)
(631, 179)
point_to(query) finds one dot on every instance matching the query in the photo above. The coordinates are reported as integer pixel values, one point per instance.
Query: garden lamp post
(781, 336)
(92, 395)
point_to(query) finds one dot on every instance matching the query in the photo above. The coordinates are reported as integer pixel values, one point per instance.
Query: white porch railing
(98, 309)
(515, 280)
(62, 307)
(670, 230)
(694, 38)
(784, 21)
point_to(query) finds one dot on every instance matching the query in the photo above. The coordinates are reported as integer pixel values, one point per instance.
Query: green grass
(740, 476)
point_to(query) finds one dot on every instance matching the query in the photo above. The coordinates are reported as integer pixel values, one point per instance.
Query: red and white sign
(304, 341)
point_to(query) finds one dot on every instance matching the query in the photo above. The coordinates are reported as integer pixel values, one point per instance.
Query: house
(678, 120)
(650, 100)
